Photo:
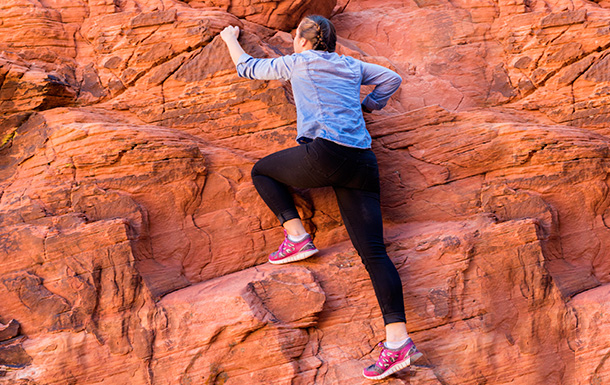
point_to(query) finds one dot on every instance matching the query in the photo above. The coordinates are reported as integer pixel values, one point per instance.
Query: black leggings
(354, 176)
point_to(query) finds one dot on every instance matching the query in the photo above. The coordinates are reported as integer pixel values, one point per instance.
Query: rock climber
(334, 150)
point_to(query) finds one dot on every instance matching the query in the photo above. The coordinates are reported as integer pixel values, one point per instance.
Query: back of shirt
(326, 90)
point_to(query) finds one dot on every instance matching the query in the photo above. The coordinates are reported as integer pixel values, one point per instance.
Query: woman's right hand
(229, 33)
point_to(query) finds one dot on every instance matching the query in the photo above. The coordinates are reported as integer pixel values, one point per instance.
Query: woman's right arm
(386, 83)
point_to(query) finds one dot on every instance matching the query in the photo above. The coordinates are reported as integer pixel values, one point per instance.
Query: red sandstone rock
(282, 15)
(133, 242)
(9, 330)
(590, 341)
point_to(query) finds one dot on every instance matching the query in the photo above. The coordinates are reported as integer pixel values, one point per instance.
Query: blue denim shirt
(326, 89)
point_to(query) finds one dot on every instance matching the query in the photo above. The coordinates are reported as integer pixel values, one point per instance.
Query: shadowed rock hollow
(133, 243)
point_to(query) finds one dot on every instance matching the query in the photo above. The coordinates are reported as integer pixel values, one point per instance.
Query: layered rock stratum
(133, 243)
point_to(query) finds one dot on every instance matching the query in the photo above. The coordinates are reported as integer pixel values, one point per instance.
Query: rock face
(133, 244)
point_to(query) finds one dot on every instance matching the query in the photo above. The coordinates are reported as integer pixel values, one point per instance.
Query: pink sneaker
(390, 361)
(290, 251)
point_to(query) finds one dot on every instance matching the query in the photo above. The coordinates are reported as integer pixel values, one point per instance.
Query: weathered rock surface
(133, 244)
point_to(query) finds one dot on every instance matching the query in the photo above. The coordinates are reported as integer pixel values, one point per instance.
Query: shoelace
(286, 247)
(386, 358)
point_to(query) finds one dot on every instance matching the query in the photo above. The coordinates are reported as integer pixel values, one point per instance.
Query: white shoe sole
(396, 367)
(296, 257)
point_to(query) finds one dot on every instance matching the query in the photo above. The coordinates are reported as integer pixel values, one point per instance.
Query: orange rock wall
(133, 244)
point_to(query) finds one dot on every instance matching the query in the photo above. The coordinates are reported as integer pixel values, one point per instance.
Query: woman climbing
(335, 150)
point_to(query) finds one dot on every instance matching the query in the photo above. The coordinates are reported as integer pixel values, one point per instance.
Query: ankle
(396, 331)
(297, 238)
(294, 228)
(394, 345)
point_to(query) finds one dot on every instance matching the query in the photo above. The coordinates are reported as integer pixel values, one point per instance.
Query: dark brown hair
(320, 32)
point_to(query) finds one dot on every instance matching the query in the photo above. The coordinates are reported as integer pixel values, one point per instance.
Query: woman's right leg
(361, 213)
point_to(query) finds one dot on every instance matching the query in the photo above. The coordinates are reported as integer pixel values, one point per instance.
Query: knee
(373, 252)
(375, 260)
(256, 170)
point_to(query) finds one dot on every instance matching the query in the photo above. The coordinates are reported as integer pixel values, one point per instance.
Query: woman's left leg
(298, 167)
(273, 174)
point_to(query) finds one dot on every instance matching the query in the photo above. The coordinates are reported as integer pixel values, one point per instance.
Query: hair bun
(319, 31)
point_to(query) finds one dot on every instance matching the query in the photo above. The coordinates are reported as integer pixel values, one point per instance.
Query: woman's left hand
(230, 33)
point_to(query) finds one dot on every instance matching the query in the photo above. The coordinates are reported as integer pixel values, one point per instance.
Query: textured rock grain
(133, 243)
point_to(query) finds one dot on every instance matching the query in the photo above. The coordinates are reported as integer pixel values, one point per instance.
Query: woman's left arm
(230, 35)
(251, 68)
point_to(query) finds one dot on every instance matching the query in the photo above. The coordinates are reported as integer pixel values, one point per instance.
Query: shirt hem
(306, 139)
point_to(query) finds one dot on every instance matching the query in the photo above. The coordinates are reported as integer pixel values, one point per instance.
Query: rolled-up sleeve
(386, 83)
(265, 69)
